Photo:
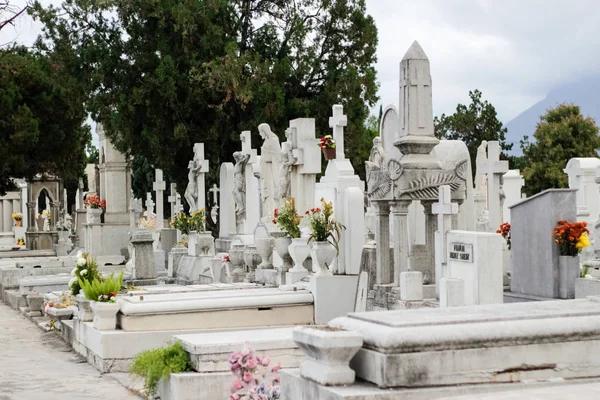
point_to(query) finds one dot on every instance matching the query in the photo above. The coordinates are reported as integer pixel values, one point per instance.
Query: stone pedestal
(175, 256)
(335, 295)
(144, 266)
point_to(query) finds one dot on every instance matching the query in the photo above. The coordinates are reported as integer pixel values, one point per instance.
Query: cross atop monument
(199, 157)
(215, 192)
(172, 199)
(159, 187)
(494, 169)
(337, 122)
(247, 146)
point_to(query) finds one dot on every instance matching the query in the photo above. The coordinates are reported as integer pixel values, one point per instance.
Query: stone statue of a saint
(239, 184)
(270, 153)
(376, 158)
(286, 161)
(483, 221)
(191, 191)
(480, 179)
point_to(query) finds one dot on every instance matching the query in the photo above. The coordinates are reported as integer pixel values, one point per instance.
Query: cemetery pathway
(38, 365)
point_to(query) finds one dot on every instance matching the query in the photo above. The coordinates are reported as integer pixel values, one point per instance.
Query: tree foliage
(41, 123)
(473, 124)
(163, 75)
(562, 133)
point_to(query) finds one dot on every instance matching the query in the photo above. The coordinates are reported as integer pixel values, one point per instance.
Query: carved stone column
(400, 219)
(385, 272)
(54, 213)
(31, 217)
(430, 228)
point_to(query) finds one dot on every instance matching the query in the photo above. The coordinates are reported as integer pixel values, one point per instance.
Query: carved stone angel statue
(286, 161)
(191, 191)
(377, 157)
(239, 184)
(480, 179)
(270, 152)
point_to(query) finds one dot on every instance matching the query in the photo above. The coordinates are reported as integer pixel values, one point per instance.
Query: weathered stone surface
(477, 344)
(534, 255)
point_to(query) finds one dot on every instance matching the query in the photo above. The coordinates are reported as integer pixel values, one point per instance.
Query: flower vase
(322, 254)
(18, 223)
(251, 259)
(264, 246)
(328, 153)
(236, 257)
(93, 215)
(84, 313)
(568, 272)
(105, 315)
(299, 251)
(281, 245)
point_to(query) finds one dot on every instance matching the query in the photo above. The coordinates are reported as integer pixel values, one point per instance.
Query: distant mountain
(584, 93)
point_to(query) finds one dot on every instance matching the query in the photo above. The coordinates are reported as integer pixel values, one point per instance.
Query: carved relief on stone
(377, 159)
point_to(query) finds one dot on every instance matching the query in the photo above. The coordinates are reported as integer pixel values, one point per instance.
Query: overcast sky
(514, 51)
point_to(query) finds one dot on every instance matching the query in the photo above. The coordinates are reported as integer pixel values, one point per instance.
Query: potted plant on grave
(102, 293)
(86, 269)
(181, 222)
(325, 237)
(95, 207)
(288, 221)
(505, 232)
(327, 145)
(18, 217)
(200, 242)
(571, 239)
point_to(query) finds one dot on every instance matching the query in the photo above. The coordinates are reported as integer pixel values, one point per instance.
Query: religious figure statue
(270, 152)
(191, 191)
(377, 158)
(286, 161)
(239, 184)
(483, 221)
(68, 223)
(480, 179)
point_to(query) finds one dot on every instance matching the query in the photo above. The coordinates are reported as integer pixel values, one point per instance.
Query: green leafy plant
(86, 269)
(182, 222)
(99, 287)
(324, 228)
(156, 364)
(287, 218)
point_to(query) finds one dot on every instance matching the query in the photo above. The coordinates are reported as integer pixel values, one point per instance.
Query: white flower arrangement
(72, 281)
(81, 262)
(74, 272)
(83, 272)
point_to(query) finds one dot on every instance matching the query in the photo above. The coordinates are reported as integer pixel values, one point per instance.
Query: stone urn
(568, 272)
(105, 315)
(35, 302)
(251, 259)
(236, 257)
(281, 245)
(327, 354)
(93, 215)
(299, 251)
(322, 254)
(84, 313)
(264, 246)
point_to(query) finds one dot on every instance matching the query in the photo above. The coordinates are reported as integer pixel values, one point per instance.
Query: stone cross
(494, 169)
(149, 205)
(215, 193)
(215, 208)
(159, 187)
(337, 122)
(444, 209)
(199, 157)
(172, 199)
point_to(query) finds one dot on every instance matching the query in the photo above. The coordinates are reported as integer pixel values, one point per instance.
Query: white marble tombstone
(204, 168)
(582, 172)
(513, 182)
(445, 210)
(305, 148)
(494, 168)
(159, 186)
(476, 258)
(172, 199)
(90, 172)
(227, 217)
(339, 176)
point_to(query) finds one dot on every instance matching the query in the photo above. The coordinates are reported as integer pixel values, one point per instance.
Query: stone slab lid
(229, 341)
(476, 326)
(212, 300)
